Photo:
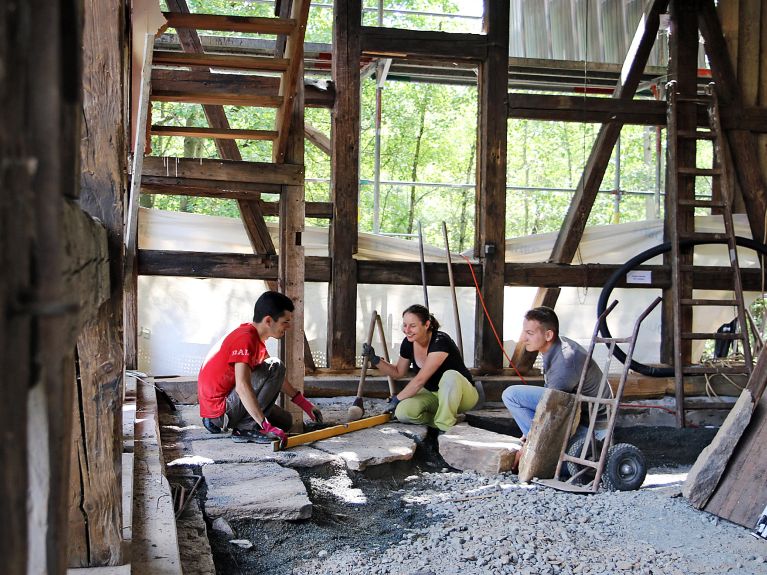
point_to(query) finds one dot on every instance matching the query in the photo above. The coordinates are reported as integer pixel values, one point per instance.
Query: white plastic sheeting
(181, 318)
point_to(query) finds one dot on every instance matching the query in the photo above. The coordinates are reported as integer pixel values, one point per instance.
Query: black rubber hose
(639, 259)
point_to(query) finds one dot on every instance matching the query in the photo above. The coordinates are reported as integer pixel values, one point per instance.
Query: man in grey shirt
(562, 365)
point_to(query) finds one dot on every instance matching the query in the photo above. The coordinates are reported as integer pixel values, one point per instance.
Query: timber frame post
(96, 506)
(492, 90)
(344, 177)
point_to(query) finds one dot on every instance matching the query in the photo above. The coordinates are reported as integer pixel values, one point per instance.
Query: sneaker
(210, 426)
(250, 436)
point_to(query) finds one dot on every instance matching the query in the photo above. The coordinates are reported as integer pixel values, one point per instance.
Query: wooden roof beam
(182, 97)
(225, 171)
(226, 134)
(225, 23)
(398, 43)
(224, 61)
(294, 54)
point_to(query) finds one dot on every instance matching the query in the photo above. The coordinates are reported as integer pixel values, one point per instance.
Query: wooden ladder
(683, 135)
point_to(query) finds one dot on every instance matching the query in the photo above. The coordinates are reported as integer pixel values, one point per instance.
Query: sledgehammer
(357, 410)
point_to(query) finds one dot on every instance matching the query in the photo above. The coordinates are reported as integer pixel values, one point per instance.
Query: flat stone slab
(473, 449)
(263, 491)
(227, 451)
(374, 446)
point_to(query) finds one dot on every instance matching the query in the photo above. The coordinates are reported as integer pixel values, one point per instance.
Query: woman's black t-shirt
(440, 341)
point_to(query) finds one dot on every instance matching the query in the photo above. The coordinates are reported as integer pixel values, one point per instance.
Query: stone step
(473, 449)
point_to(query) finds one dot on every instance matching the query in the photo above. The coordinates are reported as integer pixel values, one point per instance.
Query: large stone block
(261, 491)
(544, 442)
(471, 448)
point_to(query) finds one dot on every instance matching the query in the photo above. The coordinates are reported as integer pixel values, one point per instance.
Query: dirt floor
(421, 518)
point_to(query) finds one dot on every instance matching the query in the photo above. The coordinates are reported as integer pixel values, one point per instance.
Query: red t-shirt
(216, 379)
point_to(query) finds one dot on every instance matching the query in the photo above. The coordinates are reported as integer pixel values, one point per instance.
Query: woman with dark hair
(442, 386)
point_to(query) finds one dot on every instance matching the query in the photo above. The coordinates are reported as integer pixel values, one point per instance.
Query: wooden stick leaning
(456, 315)
(389, 378)
(423, 266)
(357, 410)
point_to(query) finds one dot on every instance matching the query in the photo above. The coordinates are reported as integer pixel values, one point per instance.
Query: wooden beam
(344, 177)
(224, 61)
(571, 232)
(226, 23)
(399, 43)
(322, 210)
(292, 261)
(318, 269)
(491, 182)
(586, 109)
(254, 101)
(225, 171)
(742, 144)
(294, 52)
(196, 84)
(170, 186)
(100, 345)
(317, 138)
(230, 134)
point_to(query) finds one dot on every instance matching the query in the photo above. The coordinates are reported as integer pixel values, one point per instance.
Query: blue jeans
(521, 401)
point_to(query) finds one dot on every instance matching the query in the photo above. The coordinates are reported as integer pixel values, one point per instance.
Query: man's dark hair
(546, 317)
(272, 304)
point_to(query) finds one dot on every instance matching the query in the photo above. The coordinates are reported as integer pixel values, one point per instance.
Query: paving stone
(374, 446)
(263, 491)
(471, 448)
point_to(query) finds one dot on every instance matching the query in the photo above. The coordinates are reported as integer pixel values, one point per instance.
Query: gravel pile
(479, 525)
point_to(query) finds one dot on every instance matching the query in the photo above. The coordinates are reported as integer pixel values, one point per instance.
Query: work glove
(370, 353)
(308, 407)
(274, 432)
(392, 405)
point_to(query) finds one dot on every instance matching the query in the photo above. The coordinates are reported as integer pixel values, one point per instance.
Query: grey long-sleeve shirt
(562, 365)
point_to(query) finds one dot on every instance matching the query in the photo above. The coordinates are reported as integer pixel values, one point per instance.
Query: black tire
(625, 468)
(574, 450)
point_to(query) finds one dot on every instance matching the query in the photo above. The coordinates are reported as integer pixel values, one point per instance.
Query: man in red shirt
(239, 383)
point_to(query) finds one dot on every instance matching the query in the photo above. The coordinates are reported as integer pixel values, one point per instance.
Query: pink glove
(276, 432)
(313, 412)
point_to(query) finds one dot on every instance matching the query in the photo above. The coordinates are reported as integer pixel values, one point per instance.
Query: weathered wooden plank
(317, 138)
(294, 53)
(100, 345)
(318, 269)
(224, 170)
(571, 232)
(225, 61)
(742, 492)
(345, 118)
(711, 463)
(227, 23)
(399, 43)
(491, 181)
(680, 188)
(169, 185)
(586, 109)
(253, 100)
(742, 144)
(197, 83)
(230, 134)
(749, 36)
(291, 264)
(322, 210)
(17, 254)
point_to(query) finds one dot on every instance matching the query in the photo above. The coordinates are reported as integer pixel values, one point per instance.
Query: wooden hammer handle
(365, 359)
